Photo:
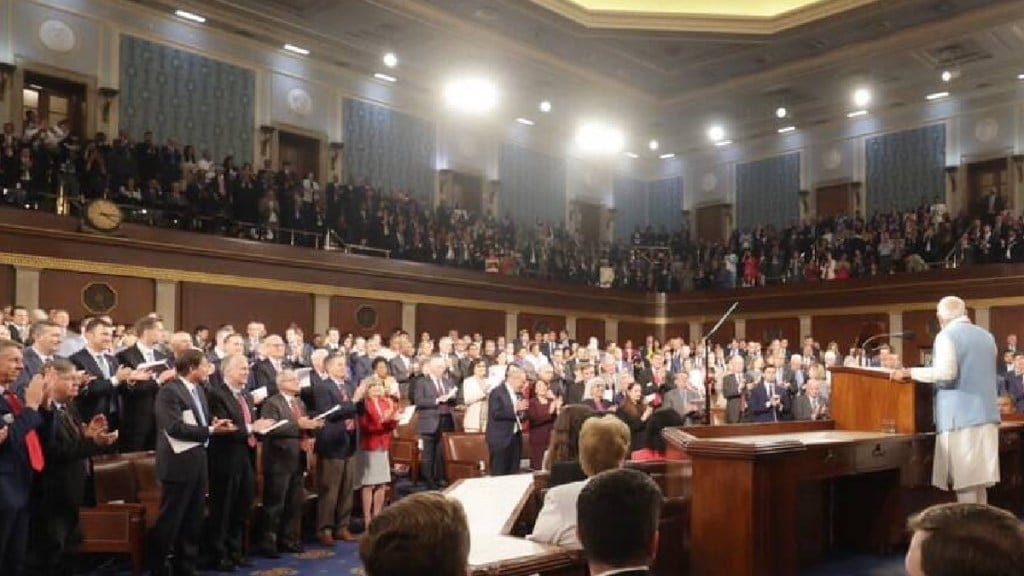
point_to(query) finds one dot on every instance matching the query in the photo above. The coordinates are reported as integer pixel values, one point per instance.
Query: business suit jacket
(556, 521)
(172, 401)
(360, 367)
(334, 440)
(15, 470)
(425, 396)
(61, 485)
(16, 333)
(759, 398)
(264, 375)
(802, 409)
(33, 364)
(732, 389)
(282, 446)
(399, 370)
(229, 451)
(681, 401)
(100, 395)
(138, 399)
(501, 419)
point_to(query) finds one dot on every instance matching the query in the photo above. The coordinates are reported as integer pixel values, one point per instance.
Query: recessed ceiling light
(189, 16)
(723, 142)
(472, 95)
(390, 60)
(667, 156)
(716, 133)
(947, 75)
(545, 106)
(296, 49)
(633, 155)
(599, 138)
(856, 113)
(525, 121)
(786, 129)
(781, 112)
(653, 144)
(936, 95)
(385, 77)
(1020, 76)
(861, 97)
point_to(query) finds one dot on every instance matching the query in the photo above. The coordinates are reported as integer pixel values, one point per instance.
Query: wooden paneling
(711, 222)
(834, 200)
(587, 328)
(6, 285)
(843, 329)
(635, 331)
(925, 326)
(534, 322)
(136, 297)
(1005, 320)
(765, 329)
(725, 334)
(678, 330)
(215, 305)
(440, 319)
(344, 309)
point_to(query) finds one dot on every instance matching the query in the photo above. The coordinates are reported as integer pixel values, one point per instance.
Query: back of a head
(604, 444)
(617, 515)
(425, 534)
(565, 434)
(961, 539)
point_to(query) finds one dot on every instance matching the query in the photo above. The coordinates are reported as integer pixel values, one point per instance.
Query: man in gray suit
(46, 338)
(733, 386)
(435, 398)
(811, 405)
(683, 399)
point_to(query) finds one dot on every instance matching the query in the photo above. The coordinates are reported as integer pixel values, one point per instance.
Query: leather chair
(465, 455)
(117, 524)
(405, 451)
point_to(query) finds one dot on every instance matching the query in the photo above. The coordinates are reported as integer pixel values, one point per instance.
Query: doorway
(984, 178)
(834, 200)
(299, 151)
(55, 99)
(711, 222)
(590, 222)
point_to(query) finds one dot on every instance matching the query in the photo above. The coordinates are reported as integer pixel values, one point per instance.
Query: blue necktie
(199, 407)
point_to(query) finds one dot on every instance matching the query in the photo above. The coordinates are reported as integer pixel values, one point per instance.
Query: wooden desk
(493, 504)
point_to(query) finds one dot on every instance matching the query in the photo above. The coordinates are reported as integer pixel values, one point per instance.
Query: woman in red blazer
(375, 426)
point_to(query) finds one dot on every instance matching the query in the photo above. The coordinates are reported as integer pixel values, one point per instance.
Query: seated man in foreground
(963, 539)
(617, 522)
(425, 534)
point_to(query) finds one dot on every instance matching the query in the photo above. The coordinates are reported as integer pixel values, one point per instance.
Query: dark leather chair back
(114, 481)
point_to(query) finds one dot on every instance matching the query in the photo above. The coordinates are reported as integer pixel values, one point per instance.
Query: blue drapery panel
(631, 200)
(198, 101)
(666, 203)
(390, 150)
(532, 185)
(768, 192)
(905, 168)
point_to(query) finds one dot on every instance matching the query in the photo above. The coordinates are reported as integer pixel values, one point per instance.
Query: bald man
(966, 412)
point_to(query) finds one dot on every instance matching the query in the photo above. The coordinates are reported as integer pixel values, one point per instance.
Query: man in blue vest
(966, 413)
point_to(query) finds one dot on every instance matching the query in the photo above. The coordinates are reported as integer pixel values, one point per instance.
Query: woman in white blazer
(474, 394)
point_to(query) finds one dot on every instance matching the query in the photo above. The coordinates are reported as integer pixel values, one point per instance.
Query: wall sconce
(108, 94)
(336, 148)
(267, 132)
(6, 73)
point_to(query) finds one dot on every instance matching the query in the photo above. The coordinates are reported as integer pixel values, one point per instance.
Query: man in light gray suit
(683, 399)
(733, 385)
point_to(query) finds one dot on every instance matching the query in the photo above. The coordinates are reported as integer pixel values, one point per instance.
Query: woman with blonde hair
(375, 426)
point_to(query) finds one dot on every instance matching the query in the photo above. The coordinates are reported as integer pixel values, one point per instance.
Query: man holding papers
(184, 425)
(137, 422)
(435, 399)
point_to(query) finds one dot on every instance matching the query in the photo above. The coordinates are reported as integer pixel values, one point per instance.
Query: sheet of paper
(276, 425)
(608, 395)
(326, 414)
(406, 416)
(650, 398)
(259, 394)
(157, 366)
(188, 418)
(179, 446)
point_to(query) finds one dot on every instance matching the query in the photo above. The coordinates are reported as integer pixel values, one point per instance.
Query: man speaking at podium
(966, 416)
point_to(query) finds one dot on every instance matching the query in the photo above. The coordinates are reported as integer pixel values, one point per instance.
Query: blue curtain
(768, 192)
(905, 168)
(532, 185)
(389, 150)
(631, 200)
(665, 203)
(198, 101)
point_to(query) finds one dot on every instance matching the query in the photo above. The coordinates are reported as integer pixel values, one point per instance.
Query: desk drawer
(871, 456)
(826, 462)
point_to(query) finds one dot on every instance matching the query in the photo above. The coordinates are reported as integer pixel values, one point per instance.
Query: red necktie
(294, 404)
(35, 449)
(251, 440)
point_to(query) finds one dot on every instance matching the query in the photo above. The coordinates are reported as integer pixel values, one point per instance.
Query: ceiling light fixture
(936, 95)
(471, 95)
(545, 106)
(189, 16)
(525, 121)
(296, 49)
(667, 156)
(385, 77)
(390, 60)
(786, 129)
(632, 155)
(599, 138)
(35, 86)
(716, 133)
(723, 142)
(861, 97)
(653, 145)
(947, 75)
(781, 112)
(856, 113)
(1020, 76)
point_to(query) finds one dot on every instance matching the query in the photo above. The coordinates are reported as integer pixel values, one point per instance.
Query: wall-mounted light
(108, 94)
(6, 73)
(268, 133)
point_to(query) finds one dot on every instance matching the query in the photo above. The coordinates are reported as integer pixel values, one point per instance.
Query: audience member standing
(434, 398)
(138, 429)
(505, 408)
(376, 423)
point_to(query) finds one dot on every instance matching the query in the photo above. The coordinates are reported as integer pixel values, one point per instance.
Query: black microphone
(905, 335)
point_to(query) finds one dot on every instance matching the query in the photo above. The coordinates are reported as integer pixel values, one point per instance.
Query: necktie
(247, 417)
(350, 424)
(148, 354)
(35, 449)
(297, 412)
(104, 367)
(199, 407)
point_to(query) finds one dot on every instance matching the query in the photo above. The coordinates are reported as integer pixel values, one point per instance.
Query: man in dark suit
(505, 404)
(59, 491)
(98, 393)
(617, 516)
(184, 424)
(138, 424)
(811, 405)
(336, 446)
(232, 474)
(20, 325)
(283, 466)
(733, 385)
(769, 401)
(434, 398)
(21, 454)
(266, 370)
(230, 345)
(401, 365)
(45, 337)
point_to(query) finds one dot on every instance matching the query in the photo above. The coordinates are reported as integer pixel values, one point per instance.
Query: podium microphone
(905, 335)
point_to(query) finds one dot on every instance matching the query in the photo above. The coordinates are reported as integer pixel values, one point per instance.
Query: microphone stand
(708, 379)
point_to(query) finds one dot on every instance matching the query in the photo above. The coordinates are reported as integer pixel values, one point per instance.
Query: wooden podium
(866, 399)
